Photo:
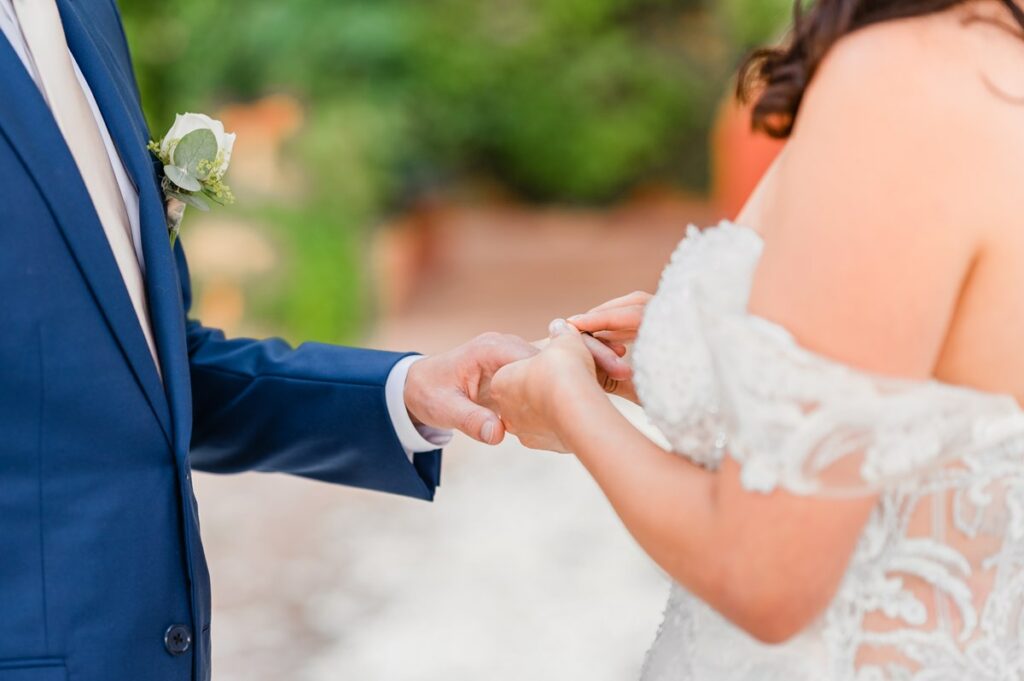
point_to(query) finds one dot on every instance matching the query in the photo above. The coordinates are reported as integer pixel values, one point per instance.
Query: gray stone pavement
(519, 570)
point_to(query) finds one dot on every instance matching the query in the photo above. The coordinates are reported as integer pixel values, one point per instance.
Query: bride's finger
(616, 338)
(606, 359)
(613, 319)
(618, 348)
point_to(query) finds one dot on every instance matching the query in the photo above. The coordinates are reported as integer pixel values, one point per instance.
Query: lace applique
(935, 589)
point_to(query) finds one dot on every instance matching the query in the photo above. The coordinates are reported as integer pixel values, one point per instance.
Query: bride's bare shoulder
(937, 99)
(960, 62)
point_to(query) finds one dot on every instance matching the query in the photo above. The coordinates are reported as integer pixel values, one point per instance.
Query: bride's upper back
(902, 180)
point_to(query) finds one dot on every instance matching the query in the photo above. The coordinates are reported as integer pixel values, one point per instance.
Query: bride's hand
(613, 372)
(532, 395)
(614, 324)
(616, 321)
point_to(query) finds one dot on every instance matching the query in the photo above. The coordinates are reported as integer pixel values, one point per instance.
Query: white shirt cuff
(414, 438)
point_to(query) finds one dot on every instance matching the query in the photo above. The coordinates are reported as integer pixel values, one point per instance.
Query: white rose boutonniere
(196, 153)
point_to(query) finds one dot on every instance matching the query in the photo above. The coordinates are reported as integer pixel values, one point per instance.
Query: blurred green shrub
(558, 100)
(747, 24)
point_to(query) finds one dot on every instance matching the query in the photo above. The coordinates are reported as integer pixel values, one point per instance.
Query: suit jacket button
(178, 639)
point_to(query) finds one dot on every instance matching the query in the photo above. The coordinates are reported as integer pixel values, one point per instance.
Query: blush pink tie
(44, 35)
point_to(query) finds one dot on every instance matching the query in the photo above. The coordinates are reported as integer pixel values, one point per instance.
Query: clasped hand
(536, 396)
(500, 382)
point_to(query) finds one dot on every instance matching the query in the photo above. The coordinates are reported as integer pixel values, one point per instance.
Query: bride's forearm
(743, 554)
(666, 502)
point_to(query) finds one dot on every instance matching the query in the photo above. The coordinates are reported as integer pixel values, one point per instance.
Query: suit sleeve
(317, 411)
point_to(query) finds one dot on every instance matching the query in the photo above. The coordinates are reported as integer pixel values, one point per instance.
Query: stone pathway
(520, 570)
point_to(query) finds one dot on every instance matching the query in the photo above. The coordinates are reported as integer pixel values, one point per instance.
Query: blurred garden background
(410, 174)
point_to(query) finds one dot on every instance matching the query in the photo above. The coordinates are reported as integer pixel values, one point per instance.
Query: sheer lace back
(935, 589)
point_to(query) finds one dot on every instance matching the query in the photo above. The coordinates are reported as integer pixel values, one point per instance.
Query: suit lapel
(28, 125)
(115, 96)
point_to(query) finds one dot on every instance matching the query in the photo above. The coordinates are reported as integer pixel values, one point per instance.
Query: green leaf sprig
(194, 170)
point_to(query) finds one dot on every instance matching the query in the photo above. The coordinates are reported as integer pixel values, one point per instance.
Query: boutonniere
(196, 153)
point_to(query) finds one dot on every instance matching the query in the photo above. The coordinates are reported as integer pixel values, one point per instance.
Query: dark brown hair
(775, 78)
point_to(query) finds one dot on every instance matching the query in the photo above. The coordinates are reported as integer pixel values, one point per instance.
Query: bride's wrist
(569, 395)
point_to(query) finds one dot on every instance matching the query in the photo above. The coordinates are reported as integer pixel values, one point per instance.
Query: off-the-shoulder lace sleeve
(721, 382)
(796, 420)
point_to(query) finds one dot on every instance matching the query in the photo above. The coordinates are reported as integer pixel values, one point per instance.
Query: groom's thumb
(480, 423)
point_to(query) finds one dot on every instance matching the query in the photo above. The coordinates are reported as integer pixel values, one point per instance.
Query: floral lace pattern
(935, 588)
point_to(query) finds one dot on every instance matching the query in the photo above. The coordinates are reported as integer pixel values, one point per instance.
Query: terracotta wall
(739, 157)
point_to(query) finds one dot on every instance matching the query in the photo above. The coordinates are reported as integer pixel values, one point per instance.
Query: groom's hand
(451, 390)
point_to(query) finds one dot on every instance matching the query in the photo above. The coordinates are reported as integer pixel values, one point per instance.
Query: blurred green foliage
(558, 100)
(747, 24)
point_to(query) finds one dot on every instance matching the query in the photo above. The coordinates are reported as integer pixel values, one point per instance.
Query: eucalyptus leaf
(213, 197)
(182, 178)
(194, 200)
(195, 147)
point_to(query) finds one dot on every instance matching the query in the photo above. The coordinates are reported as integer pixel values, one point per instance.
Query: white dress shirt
(413, 439)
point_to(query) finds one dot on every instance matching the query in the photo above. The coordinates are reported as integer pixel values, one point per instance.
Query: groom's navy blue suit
(100, 554)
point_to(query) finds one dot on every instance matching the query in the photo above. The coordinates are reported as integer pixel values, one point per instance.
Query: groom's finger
(495, 350)
(480, 423)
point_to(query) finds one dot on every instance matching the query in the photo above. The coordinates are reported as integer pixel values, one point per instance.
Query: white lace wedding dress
(935, 589)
